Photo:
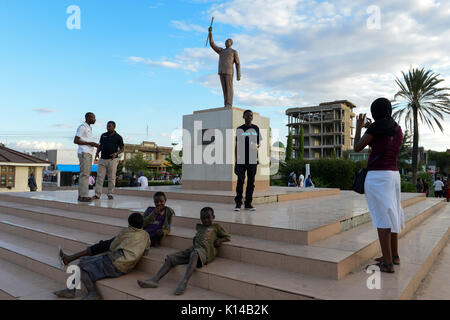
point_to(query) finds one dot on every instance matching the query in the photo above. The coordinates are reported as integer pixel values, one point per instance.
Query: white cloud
(303, 52)
(188, 27)
(37, 145)
(63, 125)
(45, 110)
(164, 62)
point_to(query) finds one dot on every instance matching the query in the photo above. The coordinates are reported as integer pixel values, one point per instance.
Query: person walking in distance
(111, 146)
(86, 145)
(32, 182)
(227, 58)
(247, 144)
(438, 187)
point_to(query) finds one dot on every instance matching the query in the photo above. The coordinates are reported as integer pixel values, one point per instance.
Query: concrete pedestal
(208, 149)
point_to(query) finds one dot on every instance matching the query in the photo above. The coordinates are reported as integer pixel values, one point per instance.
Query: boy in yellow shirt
(208, 238)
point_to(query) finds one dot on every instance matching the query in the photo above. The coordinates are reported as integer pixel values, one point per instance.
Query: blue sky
(144, 63)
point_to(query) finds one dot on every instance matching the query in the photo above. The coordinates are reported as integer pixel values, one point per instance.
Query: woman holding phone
(382, 185)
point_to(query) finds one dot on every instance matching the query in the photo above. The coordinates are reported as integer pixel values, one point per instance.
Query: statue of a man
(227, 57)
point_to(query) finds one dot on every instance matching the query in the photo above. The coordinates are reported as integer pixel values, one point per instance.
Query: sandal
(110, 197)
(95, 197)
(388, 268)
(395, 260)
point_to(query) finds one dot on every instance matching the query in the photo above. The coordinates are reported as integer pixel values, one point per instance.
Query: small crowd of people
(300, 182)
(111, 146)
(119, 255)
(441, 188)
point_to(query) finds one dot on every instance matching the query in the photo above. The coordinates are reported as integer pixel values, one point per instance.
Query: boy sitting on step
(209, 237)
(158, 219)
(119, 256)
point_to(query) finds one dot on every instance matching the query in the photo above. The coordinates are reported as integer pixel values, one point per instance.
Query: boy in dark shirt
(247, 144)
(158, 219)
(111, 145)
(208, 238)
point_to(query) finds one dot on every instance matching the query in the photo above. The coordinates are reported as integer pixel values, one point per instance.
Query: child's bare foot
(180, 288)
(65, 293)
(92, 296)
(149, 283)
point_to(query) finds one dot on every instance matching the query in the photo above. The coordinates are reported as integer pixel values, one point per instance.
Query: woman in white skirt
(382, 186)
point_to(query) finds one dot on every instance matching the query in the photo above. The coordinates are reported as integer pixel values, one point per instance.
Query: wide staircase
(260, 262)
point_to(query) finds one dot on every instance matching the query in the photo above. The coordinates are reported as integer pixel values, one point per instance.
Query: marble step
(304, 227)
(330, 258)
(19, 283)
(41, 259)
(418, 250)
(436, 285)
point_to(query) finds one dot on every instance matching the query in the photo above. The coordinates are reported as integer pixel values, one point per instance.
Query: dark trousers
(240, 170)
(100, 247)
(227, 87)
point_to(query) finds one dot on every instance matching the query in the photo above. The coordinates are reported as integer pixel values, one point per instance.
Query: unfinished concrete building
(328, 129)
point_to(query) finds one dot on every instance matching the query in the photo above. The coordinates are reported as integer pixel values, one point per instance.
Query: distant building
(155, 155)
(63, 166)
(16, 167)
(328, 128)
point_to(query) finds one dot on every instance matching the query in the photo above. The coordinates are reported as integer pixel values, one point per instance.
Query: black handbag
(360, 176)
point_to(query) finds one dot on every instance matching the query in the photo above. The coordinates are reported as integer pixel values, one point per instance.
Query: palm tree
(421, 100)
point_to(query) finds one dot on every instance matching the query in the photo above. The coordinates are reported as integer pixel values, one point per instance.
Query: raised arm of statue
(212, 44)
(238, 66)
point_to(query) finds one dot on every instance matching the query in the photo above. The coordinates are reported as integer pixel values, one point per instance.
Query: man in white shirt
(301, 179)
(142, 180)
(438, 185)
(86, 145)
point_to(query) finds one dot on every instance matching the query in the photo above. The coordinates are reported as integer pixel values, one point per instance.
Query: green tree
(404, 157)
(289, 147)
(301, 145)
(442, 159)
(136, 164)
(175, 168)
(333, 155)
(421, 99)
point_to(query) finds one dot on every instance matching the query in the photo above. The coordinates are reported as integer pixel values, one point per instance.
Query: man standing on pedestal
(84, 140)
(247, 144)
(227, 57)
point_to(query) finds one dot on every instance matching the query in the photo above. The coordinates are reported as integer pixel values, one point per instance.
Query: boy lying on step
(119, 256)
(209, 237)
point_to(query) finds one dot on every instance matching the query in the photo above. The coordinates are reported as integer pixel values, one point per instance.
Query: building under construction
(328, 129)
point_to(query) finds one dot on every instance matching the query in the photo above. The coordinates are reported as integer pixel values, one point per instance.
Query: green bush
(278, 182)
(408, 187)
(326, 173)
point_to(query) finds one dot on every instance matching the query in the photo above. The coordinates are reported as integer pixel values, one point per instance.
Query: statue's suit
(227, 58)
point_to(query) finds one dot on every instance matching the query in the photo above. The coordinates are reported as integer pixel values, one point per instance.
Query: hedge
(325, 173)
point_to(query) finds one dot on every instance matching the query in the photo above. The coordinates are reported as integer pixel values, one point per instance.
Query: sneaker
(250, 207)
(238, 207)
